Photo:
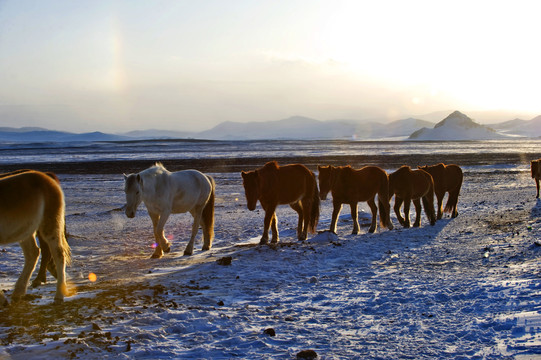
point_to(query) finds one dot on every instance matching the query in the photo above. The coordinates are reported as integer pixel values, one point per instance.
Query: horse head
(133, 187)
(250, 181)
(326, 180)
(534, 167)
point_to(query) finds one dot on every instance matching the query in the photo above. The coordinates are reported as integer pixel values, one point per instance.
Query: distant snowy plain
(467, 288)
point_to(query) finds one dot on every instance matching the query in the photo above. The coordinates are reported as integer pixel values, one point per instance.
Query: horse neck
(149, 183)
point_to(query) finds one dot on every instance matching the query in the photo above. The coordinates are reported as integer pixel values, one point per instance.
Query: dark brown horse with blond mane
(349, 186)
(535, 167)
(33, 203)
(447, 178)
(47, 262)
(275, 185)
(412, 185)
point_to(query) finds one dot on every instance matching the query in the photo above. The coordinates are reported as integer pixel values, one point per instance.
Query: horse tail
(314, 211)
(208, 216)
(428, 200)
(383, 200)
(61, 220)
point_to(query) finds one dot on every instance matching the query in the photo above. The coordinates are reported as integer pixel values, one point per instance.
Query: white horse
(165, 193)
(33, 203)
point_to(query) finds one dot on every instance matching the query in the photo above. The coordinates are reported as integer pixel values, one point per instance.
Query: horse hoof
(36, 283)
(390, 226)
(58, 301)
(156, 256)
(188, 253)
(372, 230)
(205, 248)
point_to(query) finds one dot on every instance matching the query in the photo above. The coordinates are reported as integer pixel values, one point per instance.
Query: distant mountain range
(456, 126)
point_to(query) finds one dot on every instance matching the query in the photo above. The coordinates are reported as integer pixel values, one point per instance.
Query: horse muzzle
(130, 214)
(322, 196)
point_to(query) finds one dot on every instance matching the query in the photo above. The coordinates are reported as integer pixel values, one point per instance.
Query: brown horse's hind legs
(301, 231)
(397, 204)
(440, 209)
(374, 210)
(355, 218)
(418, 210)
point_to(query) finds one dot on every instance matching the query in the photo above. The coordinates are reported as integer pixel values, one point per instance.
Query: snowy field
(466, 288)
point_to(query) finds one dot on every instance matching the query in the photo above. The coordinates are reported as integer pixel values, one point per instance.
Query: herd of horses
(32, 204)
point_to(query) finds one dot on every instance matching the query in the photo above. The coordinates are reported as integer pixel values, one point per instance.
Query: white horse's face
(133, 190)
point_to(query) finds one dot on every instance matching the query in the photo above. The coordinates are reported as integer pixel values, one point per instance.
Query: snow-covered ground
(467, 288)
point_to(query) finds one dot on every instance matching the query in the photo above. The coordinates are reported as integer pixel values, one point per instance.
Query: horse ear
(125, 176)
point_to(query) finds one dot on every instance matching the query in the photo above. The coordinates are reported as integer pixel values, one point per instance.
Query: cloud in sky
(188, 65)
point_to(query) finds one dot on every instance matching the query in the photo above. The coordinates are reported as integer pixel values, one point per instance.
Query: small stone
(226, 260)
(96, 327)
(307, 355)
(270, 332)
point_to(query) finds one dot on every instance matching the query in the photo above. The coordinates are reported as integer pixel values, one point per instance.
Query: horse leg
(301, 231)
(374, 210)
(270, 219)
(274, 229)
(158, 222)
(397, 204)
(355, 218)
(46, 258)
(31, 255)
(195, 227)
(335, 211)
(418, 210)
(537, 185)
(440, 206)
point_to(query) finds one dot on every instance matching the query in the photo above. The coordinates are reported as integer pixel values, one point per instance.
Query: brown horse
(47, 262)
(447, 178)
(536, 173)
(349, 186)
(275, 185)
(412, 185)
(30, 203)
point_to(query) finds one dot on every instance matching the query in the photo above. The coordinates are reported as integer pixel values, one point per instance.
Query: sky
(116, 66)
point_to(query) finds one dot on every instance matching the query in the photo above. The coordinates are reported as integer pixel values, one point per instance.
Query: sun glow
(480, 61)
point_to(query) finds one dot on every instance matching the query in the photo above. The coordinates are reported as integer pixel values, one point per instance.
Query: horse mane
(271, 165)
(154, 170)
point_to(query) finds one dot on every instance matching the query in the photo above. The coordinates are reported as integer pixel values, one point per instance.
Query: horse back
(284, 184)
(187, 189)
(294, 181)
(422, 182)
(359, 185)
